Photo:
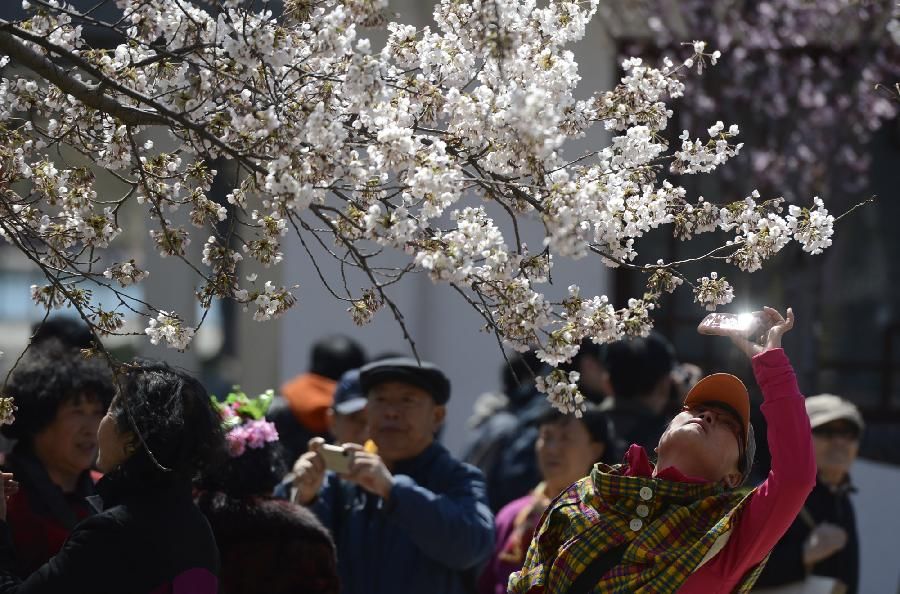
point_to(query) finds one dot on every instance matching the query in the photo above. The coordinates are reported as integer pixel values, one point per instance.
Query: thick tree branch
(164, 115)
(90, 95)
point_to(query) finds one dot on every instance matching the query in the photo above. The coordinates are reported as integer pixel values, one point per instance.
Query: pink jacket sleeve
(777, 501)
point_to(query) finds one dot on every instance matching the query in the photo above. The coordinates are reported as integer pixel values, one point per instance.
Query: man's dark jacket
(824, 505)
(429, 536)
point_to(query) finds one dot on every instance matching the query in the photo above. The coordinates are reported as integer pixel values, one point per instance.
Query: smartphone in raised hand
(752, 326)
(336, 458)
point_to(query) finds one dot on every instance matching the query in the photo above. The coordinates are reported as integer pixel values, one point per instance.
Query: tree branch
(164, 115)
(90, 95)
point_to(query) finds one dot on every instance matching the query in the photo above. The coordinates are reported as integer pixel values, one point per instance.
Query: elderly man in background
(823, 541)
(406, 516)
(348, 413)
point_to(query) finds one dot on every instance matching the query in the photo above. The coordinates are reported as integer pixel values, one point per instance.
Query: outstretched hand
(772, 340)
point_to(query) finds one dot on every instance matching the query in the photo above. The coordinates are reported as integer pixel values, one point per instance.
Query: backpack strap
(597, 568)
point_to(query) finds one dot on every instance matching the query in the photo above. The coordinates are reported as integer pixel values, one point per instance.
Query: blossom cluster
(712, 291)
(252, 434)
(170, 329)
(7, 408)
(243, 419)
(125, 273)
(412, 149)
(562, 390)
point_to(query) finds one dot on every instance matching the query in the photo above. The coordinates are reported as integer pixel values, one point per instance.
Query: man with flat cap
(407, 517)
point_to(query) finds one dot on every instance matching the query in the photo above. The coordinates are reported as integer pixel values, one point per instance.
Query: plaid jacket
(671, 528)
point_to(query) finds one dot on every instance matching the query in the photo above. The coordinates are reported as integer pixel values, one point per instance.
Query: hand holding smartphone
(753, 326)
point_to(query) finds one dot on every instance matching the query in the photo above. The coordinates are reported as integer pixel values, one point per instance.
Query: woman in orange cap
(682, 524)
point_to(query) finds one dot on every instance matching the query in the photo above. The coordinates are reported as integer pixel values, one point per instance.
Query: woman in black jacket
(148, 536)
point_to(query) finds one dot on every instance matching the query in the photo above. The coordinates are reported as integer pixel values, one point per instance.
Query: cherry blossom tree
(409, 150)
(800, 75)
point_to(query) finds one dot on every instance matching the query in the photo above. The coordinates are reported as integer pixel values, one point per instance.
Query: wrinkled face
(402, 419)
(565, 451)
(705, 440)
(115, 447)
(836, 445)
(69, 443)
(350, 428)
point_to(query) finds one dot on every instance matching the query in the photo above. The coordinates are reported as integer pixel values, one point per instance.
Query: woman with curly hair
(61, 397)
(262, 540)
(147, 535)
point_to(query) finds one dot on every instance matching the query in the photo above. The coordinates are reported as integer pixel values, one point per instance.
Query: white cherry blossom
(439, 148)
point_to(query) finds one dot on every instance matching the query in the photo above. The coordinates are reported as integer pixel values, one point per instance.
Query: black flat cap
(407, 370)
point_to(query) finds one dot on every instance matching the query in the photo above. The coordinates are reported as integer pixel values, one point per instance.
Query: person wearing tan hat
(682, 524)
(823, 540)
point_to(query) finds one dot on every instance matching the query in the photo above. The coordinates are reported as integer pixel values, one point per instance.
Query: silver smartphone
(754, 325)
(336, 458)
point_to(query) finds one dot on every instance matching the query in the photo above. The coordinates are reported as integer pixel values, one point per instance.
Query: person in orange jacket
(302, 410)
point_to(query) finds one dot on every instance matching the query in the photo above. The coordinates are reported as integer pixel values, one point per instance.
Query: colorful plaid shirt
(670, 528)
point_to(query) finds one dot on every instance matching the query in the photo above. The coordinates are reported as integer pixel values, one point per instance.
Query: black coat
(147, 538)
(786, 563)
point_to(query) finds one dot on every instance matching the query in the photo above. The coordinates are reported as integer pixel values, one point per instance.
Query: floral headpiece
(244, 421)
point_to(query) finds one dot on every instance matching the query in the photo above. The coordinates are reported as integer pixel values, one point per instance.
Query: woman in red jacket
(61, 397)
(681, 524)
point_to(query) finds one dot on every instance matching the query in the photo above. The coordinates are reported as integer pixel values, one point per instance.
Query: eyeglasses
(850, 432)
(724, 414)
(730, 418)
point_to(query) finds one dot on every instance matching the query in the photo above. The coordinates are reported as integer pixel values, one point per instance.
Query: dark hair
(597, 423)
(518, 372)
(49, 375)
(637, 365)
(589, 348)
(270, 542)
(256, 472)
(333, 355)
(170, 415)
(71, 332)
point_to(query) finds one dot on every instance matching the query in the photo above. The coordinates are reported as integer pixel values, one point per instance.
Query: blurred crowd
(241, 494)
